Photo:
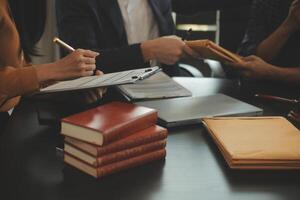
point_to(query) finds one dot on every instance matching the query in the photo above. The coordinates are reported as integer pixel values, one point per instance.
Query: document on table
(254, 143)
(157, 86)
(118, 78)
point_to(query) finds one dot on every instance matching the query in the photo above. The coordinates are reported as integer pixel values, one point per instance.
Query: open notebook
(209, 50)
(158, 86)
(118, 78)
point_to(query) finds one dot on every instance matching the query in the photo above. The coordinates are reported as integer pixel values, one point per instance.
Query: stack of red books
(112, 138)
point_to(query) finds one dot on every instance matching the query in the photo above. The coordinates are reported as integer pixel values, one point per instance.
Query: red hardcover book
(114, 157)
(108, 123)
(154, 133)
(115, 167)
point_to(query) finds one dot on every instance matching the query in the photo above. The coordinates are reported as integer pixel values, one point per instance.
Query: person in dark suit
(128, 33)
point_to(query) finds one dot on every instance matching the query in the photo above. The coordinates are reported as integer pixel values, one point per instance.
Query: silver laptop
(190, 110)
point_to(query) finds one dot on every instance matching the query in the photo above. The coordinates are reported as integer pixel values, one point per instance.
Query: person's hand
(293, 19)
(95, 95)
(77, 64)
(98, 73)
(101, 91)
(254, 67)
(167, 50)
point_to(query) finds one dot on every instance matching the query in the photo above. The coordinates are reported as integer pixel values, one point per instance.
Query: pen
(187, 34)
(275, 98)
(148, 73)
(61, 43)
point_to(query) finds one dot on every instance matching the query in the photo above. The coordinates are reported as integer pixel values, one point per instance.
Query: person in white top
(128, 33)
(137, 14)
(139, 21)
(141, 26)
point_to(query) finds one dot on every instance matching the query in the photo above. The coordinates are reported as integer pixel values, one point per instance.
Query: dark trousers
(3, 121)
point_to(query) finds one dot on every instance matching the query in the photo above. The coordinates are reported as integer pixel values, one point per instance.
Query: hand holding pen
(78, 63)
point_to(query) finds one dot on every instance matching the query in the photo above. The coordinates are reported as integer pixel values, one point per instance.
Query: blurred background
(222, 21)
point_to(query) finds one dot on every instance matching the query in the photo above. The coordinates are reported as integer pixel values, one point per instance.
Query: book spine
(131, 163)
(126, 144)
(130, 127)
(130, 153)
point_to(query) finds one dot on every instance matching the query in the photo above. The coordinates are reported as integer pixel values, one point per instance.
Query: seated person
(18, 35)
(273, 32)
(255, 68)
(273, 35)
(128, 33)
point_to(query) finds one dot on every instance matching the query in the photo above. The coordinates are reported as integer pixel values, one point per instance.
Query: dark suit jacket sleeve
(79, 26)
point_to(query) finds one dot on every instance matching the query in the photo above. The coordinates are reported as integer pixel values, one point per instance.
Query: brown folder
(256, 142)
(209, 50)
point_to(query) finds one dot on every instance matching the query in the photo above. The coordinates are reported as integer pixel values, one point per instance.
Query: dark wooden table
(194, 168)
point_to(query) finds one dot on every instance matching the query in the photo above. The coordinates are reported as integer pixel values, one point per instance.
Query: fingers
(77, 64)
(238, 66)
(173, 37)
(84, 56)
(88, 60)
(243, 65)
(89, 67)
(98, 73)
(87, 73)
(250, 58)
(88, 53)
(190, 51)
(178, 54)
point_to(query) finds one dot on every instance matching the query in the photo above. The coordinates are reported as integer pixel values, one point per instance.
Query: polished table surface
(194, 168)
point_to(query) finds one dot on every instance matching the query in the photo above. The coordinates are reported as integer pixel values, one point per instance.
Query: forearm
(147, 48)
(45, 72)
(286, 75)
(16, 82)
(269, 48)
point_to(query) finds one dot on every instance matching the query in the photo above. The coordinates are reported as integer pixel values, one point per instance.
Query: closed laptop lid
(182, 111)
